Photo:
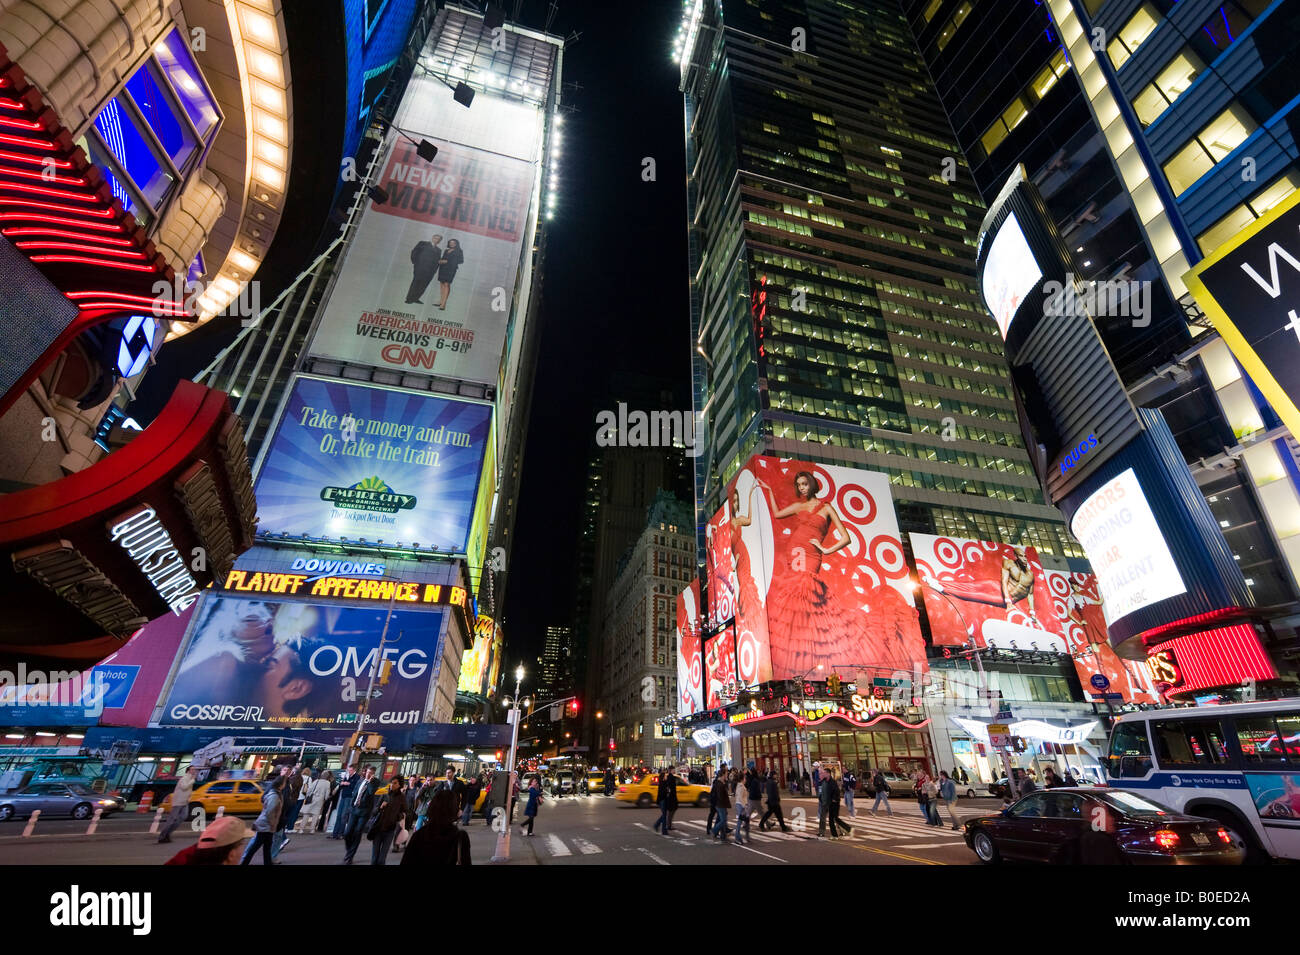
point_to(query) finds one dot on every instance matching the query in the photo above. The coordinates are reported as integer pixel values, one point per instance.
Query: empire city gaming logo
(369, 494)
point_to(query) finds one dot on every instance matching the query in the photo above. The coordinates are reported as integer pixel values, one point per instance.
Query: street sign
(1106, 696)
(999, 735)
(1004, 716)
(1099, 681)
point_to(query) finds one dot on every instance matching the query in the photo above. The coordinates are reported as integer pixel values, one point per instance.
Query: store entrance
(905, 766)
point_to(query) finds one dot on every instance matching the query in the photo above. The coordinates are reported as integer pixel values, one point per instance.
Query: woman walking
(392, 809)
(530, 809)
(313, 808)
(439, 841)
(267, 821)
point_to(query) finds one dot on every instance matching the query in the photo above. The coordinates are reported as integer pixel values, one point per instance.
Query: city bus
(1238, 763)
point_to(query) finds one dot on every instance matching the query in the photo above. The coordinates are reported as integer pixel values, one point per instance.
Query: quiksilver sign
(142, 535)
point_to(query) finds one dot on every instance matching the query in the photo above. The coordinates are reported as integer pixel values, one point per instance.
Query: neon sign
(144, 538)
(352, 588)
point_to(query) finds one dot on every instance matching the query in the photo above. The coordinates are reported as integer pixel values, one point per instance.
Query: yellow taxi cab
(643, 793)
(595, 780)
(238, 796)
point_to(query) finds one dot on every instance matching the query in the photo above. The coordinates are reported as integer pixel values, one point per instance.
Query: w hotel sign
(1250, 289)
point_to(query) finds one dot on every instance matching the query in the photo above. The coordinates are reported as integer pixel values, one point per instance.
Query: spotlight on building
(378, 195)
(493, 16)
(463, 94)
(427, 150)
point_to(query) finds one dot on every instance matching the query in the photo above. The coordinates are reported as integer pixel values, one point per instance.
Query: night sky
(615, 279)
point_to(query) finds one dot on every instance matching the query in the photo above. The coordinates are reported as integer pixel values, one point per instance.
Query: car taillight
(1165, 838)
(1224, 837)
(622, 789)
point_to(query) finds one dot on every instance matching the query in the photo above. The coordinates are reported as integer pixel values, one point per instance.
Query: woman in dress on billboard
(1015, 584)
(749, 605)
(452, 259)
(808, 622)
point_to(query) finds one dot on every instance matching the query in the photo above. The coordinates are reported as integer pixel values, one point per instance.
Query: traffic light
(833, 684)
(500, 754)
(573, 708)
(385, 671)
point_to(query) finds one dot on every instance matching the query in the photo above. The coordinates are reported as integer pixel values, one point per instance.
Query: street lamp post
(502, 853)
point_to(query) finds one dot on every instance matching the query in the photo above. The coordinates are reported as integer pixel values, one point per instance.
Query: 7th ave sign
(1250, 289)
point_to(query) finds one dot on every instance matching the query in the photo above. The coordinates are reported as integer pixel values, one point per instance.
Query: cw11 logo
(195, 296)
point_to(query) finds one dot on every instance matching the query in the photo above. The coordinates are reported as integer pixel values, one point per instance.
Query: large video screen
(362, 461)
(254, 663)
(984, 594)
(690, 661)
(1077, 604)
(807, 560)
(1010, 273)
(1126, 548)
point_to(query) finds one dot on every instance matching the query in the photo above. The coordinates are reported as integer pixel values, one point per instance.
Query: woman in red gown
(808, 622)
(749, 605)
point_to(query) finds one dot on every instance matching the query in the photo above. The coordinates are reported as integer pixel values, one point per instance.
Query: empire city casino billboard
(808, 561)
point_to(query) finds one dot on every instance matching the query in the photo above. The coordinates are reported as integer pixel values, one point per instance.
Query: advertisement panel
(690, 663)
(1249, 288)
(364, 461)
(1010, 273)
(719, 667)
(254, 663)
(1126, 547)
(1077, 604)
(427, 283)
(985, 594)
(1211, 659)
(476, 662)
(808, 561)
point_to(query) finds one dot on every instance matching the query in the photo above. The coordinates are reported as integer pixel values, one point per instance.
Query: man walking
(948, 793)
(881, 786)
(754, 791)
(719, 803)
(773, 804)
(347, 783)
(294, 794)
(850, 784)
(180, 803)
(362, 803)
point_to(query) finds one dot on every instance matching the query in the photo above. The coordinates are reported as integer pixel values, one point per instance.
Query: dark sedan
(1098, 826)
(57, 799)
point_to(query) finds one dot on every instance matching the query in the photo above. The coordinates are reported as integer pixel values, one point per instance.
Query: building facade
(639, 682)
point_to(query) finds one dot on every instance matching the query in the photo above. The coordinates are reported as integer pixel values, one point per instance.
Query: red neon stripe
(25, 217)
(86, 260)
(21, 124)
(59, 193)
(36, 160)
(23, 141)
(158, 311)
(32, 230)
(86, 293)
(27, 174)
(78, 247)
(100, 213)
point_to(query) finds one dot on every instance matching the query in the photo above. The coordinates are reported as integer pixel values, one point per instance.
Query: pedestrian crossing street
(899, 831)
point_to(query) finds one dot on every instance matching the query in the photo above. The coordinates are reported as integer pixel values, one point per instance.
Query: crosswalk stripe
(557, 846)
(585, 847)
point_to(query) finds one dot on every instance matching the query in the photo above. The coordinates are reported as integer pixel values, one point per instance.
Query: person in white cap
(221, 843)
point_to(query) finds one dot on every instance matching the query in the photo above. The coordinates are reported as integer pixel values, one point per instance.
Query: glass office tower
(832, 237)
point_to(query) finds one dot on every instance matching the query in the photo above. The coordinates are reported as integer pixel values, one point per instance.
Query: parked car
(58, 799)
(1060, 826)
(899, 785)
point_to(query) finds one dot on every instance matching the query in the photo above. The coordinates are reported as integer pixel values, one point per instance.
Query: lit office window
(1221, 136)
(932, 9)
(1246, 213)
(148, 137)
(1048, 75)
(1170, 83)
(950, 28)
(1133, 34)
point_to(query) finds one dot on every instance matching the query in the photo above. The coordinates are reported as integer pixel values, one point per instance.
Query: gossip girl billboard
(428, 281)
(807, 560)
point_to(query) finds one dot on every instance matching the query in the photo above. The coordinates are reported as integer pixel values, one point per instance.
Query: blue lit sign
(1075, 456)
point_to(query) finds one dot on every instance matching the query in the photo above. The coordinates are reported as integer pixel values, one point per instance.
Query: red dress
(749, 605)
(810, 622)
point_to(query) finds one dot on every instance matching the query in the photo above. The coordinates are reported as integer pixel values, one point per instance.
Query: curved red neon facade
(58, 211)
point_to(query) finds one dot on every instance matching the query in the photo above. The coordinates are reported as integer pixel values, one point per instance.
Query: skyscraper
(832, 230)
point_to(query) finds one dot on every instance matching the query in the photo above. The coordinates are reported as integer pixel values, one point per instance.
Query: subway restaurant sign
(1250, 289)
